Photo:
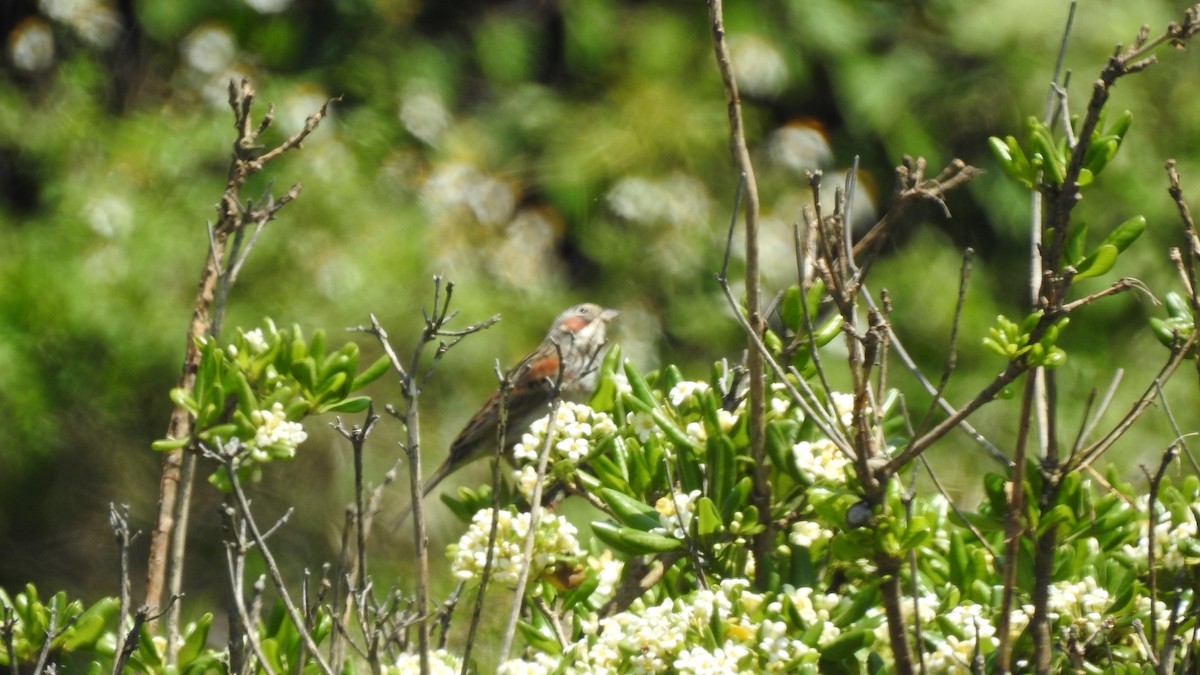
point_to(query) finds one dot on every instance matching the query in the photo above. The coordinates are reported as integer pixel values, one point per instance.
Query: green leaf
(194, 639)
(166, 444)
(89, 626)
(373, 372)
(1126, 233)
(709, 520)
(641, 391)
(630, 511)
(1099, 262)
(1059, 515)
(1077, 238)
(634, 542)
(305, 372)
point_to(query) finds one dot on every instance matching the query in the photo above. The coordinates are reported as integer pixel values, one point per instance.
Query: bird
(566, 363)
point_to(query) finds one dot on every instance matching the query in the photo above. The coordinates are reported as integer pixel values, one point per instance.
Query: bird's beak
(609, 315)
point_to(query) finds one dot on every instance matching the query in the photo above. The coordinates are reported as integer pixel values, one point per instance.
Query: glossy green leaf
(632, 541)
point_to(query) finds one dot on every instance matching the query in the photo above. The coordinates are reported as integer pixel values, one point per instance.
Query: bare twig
(230, 455)
(1152, 517)
(535, 512)
(165, 563)
(761, 491)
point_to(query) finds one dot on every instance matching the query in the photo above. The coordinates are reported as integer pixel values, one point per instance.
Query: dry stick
(260, 542)
(493, 531)
(761, 492)
(412, 449)
(242, 626)
(1046, 542)
(1012, 530)
(1152, 574)
(359, 519)
(1092, 452)
(166, 548)
(535, 512)
(119, 521)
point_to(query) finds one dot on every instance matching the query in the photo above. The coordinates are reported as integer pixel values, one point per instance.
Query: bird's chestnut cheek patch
(574, 324)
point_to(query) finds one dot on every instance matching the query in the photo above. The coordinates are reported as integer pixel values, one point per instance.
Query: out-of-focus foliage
(535, 153)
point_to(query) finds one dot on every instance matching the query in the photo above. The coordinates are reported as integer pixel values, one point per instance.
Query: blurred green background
(537, 154)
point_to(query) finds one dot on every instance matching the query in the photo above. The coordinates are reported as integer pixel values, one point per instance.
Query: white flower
(255, 341)
(273, 431)
(555, 541)
(684, 391)
(820, 461)
(675, 514)
(576, 429)
(807, 532)
(441, 662)
(643, 425)
(843, 407)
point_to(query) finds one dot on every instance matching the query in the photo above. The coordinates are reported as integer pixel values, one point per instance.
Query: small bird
(567, 361)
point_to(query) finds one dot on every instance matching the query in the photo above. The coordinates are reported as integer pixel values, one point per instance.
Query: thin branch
(229, 454)
(761, 490)
(535, 512)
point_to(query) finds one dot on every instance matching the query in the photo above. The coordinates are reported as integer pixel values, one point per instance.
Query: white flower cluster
(820, 461)
(555, 541)
(807, 533)
(577, 428)
(1167, 536)
(256, 342)
(1082, 603)
(676, 635)
(684, 392)
(274, 436)
(441, 662)
(955, 652)
(675, 513)
(955, 634)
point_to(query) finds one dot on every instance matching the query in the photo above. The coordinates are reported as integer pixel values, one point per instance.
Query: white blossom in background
(542, 664)
(800, 147)
(456, 186)
(268, 6)
(1082, 603)
(424, 114)
(31, 45)
(675, 636)
(109, 215)
(758, 66)
(700, 661)
(527, 256)
(555, 541)
(677, 200)
(781, 400)
(209, 48)
(843, 408)
(274, 435)
(96, 22)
